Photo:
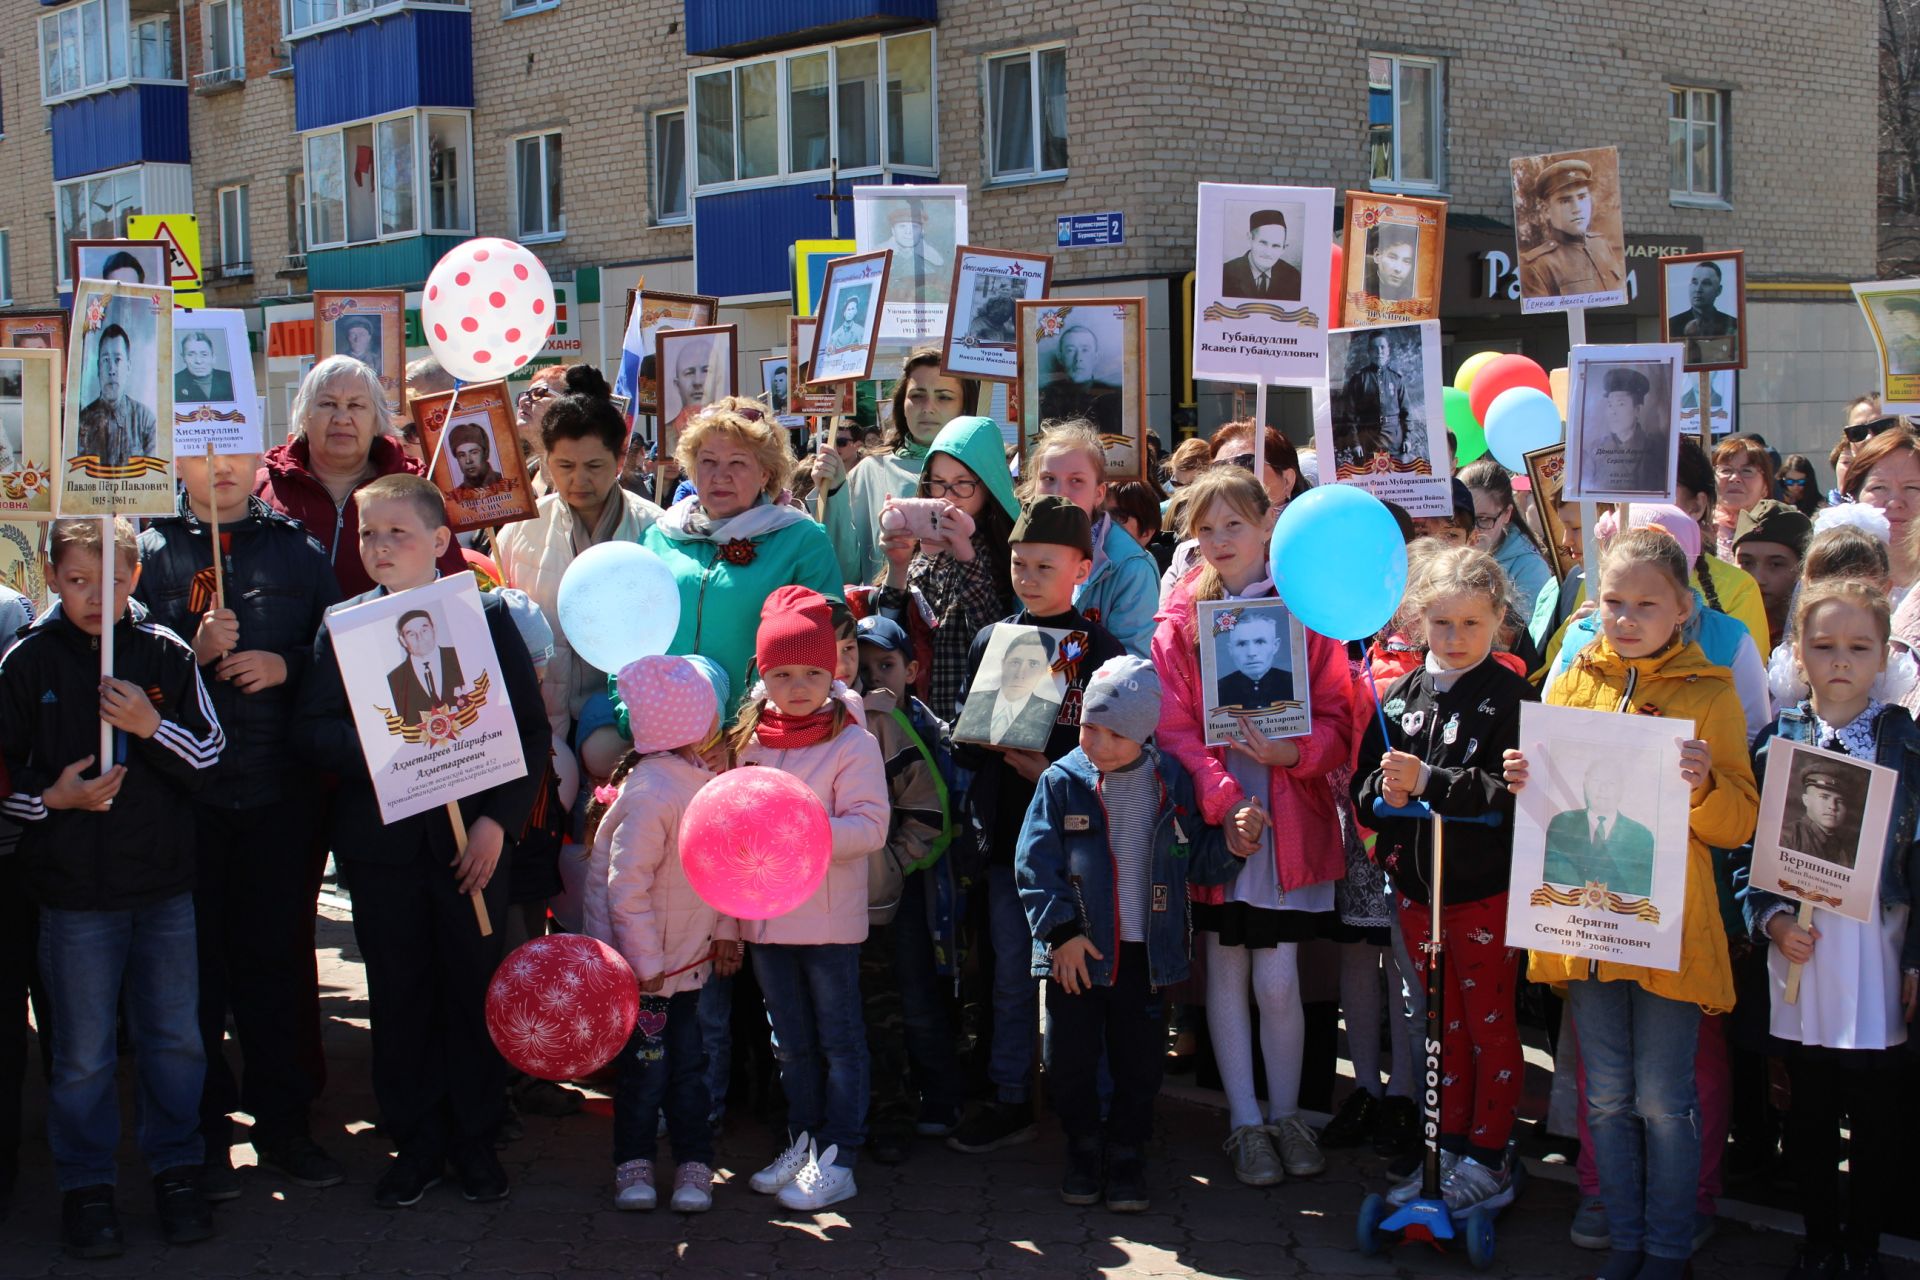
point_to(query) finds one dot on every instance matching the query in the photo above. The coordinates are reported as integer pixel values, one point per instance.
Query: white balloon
(487, 309)
(618, 602)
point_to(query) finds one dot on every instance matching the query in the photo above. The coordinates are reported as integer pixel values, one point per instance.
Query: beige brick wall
(26, 159)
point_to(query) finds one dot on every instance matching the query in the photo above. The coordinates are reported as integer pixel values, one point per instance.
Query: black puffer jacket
(279, 584)
(140, 851)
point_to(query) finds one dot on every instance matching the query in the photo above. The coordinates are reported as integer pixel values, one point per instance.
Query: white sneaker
(633, 1186)
(692, 1188)
(820, 1183)
(784, 1168)
(1299, 1153)
(1409, 1189)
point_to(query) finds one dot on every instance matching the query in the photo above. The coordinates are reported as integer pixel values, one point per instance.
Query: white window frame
(1438, 109)
(364, 11)
(422, 181)
(115, 17)
(6, 266)
(1015, 177)
(61, 257)
(236, 37)
(687, 161)
(1721, 196)
(297, 208)
(230, 265)
(785, 175)
(556, 227)
(521, 8)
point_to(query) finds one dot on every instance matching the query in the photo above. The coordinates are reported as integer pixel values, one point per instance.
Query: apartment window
(1406, 122)
(236, 240)
(670, 167)
(94, 208)
(6, 267)
(536, 179)
(449, 176)
(304, 17)
(297, 213)
(226, 37)
(517, 7)
(364, 180)
(1027, 113)
(864, 104)
(1697, 145)
(97, 44)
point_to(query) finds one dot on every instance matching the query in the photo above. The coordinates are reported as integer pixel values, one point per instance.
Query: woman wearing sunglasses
(529, 412)
(1864, 421)
(1797, 486)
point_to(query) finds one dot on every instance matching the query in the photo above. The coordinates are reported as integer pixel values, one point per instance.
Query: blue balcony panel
(394, 264)
(416, 58)
(140, 123)
(741, 238)
(736, 28)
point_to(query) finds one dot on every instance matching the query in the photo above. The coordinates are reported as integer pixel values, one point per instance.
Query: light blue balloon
(618, 602)
(1520, 420)
(1339, 561)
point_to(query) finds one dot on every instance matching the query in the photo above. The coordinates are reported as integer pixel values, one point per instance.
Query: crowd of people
(1125, 893)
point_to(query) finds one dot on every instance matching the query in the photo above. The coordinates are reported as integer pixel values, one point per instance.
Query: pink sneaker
(692, 1188)
(633, 1185)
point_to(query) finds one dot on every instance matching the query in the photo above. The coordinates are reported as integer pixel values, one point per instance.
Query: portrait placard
(1623, 422)
(811, 399)
(370, 326)
(922, 227)
(648, 312)
(34, 330)
(774, 387)
(982, 338)
(116, 449)
(1384, 432)
(1017, 695)
(29, 424)
(23, 561)
(1250, 651)
(1262, 257)
(844, 335)
(1570, 236)
(697, 367)
(1822, 833)
(1892, 308)
(1547, 475)
(1600, 837)
(1395, 248)
(480, 471)
(1723, 403)
(1703, 306)
(1084, 358)
(146, 262)
(424, 684)
(213, 394)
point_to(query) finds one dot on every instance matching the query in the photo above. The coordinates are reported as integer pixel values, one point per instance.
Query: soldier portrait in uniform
(698, 366)
(1249, 652)
(1623, 427)
(922, 227)
(471, 444)
(1825, 802)
(1572, 245)
(1704, 300)
(1821, 836)
(983, 334)
(1017, 696)
(117, 426)
(1084, 358)
(1381, 430)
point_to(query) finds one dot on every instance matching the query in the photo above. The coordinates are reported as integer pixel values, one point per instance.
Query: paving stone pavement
(940, 1214)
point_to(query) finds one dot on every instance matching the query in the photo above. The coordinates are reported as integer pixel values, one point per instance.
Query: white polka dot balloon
(487, 309)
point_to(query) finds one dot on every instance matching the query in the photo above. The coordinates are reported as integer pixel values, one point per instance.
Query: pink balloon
(487, 308)
(561, 1007)
(755, 843)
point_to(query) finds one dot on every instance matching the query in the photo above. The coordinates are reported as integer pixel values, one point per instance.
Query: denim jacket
(1067, 871)
(1896, 742)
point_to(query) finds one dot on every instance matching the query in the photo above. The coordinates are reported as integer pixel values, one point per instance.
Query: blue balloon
(618, 602)
(1339, 561)
(1520, 420)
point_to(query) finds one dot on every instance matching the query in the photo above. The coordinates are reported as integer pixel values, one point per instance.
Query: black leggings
(1861, 1086)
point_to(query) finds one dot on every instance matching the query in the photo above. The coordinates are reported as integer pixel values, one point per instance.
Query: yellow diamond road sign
(181, 231)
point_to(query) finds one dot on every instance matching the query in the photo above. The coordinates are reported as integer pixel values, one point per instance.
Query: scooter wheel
(1373, 1211)
(1479, 1234)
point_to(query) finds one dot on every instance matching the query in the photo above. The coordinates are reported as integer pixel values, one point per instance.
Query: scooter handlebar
(1420, 810)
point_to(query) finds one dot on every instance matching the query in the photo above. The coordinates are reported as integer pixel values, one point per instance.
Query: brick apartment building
(347, 143)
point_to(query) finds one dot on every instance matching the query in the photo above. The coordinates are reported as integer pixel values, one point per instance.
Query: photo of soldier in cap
(1269, 266)
(1622, 439)
(1566, 211)
(471, 444)
(1901, 324)
(1709, 324)
(1826, 801)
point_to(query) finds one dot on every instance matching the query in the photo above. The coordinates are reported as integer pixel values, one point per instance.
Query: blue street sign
(1088, 230)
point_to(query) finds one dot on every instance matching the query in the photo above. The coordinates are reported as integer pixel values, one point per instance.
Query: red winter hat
(796, 630)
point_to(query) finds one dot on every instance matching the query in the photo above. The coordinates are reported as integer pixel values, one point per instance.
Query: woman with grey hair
(342, 438)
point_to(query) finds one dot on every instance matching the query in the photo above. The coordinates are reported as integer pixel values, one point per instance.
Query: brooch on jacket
(740, 551)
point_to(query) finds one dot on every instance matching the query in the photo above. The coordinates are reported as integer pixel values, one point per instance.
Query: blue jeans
(820, 1039)
(1643, 1111)
(930, 1046)
(86, 958)
(663, 1068)
(1016, 992)
(716, 1039)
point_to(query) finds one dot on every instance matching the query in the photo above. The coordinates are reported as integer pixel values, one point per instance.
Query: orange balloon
(1557, 384)
(1470, 368)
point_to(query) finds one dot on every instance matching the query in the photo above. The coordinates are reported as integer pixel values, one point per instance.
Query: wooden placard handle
(1805, 921)
(213, 511)
(1706, 412)
(460, 850)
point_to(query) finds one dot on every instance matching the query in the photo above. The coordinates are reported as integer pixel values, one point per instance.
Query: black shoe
(1862, 1266)
(1126, 1181)
(89, 1227)
(1355, 1122)
(995, 1125)
(185, 1217)
(1397, 1128)
(1082, 1183)
(891, 1144)
(218, 1181)
(535, 1097)
(404, 1182)
(300, 1159)
(1406, 1164)
(482, 1180)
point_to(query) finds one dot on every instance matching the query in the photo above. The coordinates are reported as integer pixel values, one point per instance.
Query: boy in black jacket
(440, 1082)
(110, 861)
(254, 892)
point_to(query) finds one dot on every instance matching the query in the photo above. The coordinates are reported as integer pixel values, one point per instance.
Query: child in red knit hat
(803, 721)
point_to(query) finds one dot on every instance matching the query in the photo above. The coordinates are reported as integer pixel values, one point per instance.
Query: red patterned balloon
(487, 309)
(561, 1007)
(755, 843)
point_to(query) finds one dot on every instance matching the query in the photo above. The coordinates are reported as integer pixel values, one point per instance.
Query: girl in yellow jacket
(1638, 1027)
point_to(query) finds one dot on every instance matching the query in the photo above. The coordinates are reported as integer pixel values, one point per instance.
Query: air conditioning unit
(208, 83)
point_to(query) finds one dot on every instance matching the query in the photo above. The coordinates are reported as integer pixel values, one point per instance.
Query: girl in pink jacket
(1273, 797)
(638, 901)
(808, 961)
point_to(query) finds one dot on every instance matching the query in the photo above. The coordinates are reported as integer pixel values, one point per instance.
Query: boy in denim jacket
(1111, 842)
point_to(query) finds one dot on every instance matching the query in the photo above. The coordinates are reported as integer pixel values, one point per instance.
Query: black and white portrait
(1382, 432)
(1262, 301)
(773, 383)
(697, 367)
(849, 317)
(922, 226)
(202, 366)
(1392, 249)
(1703, 308)
(122, 261)
(1082, 368)
(1082, 358)
(428, 674)
(1821, 835)
(1569, 231)
(118, 389)
(1623, 423)
(1250, 651)
(359, 337)
(1016, 697)
(1264, 244)
(983, 330)
(1826, 800)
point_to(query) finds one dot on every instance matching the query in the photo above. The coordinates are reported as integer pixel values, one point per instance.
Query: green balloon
(1470, 438)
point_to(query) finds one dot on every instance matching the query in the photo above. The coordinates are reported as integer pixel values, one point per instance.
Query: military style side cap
(1052, 518)
(1771, 520)
(1559, 176)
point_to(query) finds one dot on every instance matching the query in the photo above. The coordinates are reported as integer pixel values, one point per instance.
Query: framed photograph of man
(1262, 257)
(982, 339)
(29, 422)
(774, 387)
(1395, 247)
(1016, 696)
(34, 330)
(117, 448)
(1892, 308)
(1600, 837)
(697, 367)
(1822, 832)
(480, 469)
(648, 312)
(1623, 422)
(1570, 237)
(1703, 305)
(370, 326)
(922, 227)
(808, 398)
(1084, 358)
(1547, 476)
(1384, 432)
(845, 335)
(213, 391)
(1249, 652)
(123, 261)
